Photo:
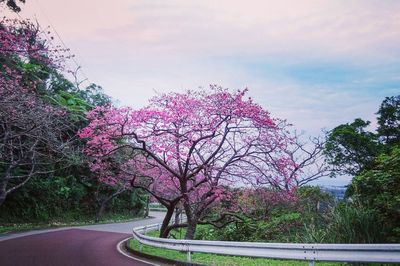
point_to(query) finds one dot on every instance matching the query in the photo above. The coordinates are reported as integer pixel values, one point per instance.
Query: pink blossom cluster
(20, 45)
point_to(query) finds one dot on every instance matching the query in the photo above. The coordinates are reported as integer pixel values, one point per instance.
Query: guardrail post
(189, 256)
(311, 263)
(145, 230)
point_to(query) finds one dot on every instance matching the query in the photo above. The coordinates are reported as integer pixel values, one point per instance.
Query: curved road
(74, 246)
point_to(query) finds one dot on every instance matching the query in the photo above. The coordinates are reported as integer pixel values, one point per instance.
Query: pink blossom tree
(32, 132)
(184, 148)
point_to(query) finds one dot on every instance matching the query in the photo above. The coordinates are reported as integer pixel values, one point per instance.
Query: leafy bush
(352, 224)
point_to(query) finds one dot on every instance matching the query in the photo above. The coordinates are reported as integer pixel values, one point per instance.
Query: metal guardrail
(157, 209)
(383, 253)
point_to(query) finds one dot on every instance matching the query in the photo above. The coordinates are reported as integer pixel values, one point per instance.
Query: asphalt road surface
(84, 245)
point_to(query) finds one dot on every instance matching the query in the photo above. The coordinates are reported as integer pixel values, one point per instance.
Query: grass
(61, 222)
(218, 260)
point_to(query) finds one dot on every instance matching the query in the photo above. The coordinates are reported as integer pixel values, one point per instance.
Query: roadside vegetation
(65, 222)
(44, 176)
(214, 259)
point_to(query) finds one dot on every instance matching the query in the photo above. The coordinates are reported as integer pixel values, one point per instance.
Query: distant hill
(337, 191)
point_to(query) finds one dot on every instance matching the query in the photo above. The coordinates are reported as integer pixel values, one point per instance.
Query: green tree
(378, 188)
(389, 120)
(350, 148)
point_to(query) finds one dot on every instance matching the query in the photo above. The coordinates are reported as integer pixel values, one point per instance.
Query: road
(73, 246)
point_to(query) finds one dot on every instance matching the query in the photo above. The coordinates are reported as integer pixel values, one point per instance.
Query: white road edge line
(129, 256)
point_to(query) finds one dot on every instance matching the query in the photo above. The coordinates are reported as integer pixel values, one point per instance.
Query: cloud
(356, 29)
(315, 28)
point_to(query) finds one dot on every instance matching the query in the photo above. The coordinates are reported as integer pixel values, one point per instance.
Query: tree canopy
(350, 147)
(185, 147)
(389, 120)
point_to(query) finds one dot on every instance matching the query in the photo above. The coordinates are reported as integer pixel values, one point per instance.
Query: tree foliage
(378, 188)
(270, 216)
(350, 147)
(389, 120)
(40, 113)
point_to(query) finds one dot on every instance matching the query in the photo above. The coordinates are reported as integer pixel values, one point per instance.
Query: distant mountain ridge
(337, 191)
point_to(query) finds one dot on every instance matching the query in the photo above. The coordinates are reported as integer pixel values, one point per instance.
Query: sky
(317, 64)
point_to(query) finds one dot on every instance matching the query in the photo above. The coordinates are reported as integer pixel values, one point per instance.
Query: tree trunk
(177, 215)
(3, 195)
(191, 221)
(146, 213)
(105, 202)
(3, 191)
(167, 219)
(191, 229)
(101, 210)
